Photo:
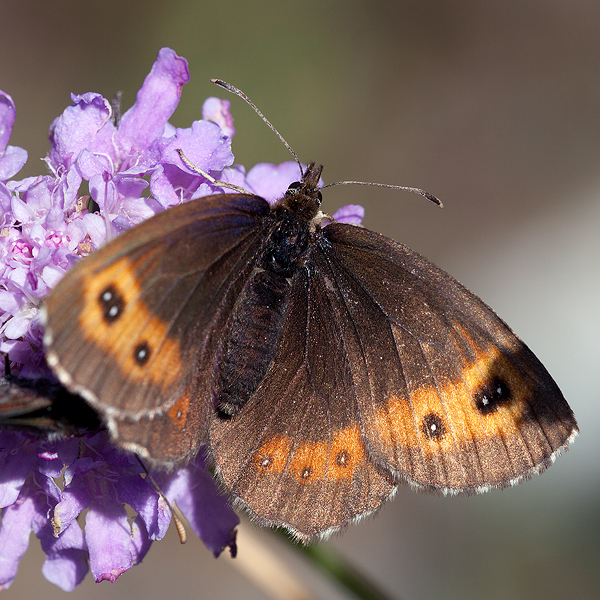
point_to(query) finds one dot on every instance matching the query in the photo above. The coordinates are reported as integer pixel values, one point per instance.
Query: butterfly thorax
(286, 243)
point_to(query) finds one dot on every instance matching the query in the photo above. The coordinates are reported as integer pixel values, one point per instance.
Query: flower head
(132, 171)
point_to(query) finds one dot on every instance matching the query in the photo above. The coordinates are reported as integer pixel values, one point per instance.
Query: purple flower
(101, 479)
(217, 110)
(28, 496)
(132, 172)
(351, 213)
(12, 158)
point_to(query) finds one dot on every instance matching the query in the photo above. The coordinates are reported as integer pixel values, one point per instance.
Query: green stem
(346, 575)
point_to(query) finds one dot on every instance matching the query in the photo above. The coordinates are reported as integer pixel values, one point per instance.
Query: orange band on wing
(489, 399)
(116, 320)
(336, 459)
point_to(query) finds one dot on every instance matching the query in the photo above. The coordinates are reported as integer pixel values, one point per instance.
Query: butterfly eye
(319, 197)
(293, 188)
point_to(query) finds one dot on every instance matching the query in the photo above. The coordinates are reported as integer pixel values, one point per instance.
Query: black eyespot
(111, 303)
(141, 353)
(296, 185)
(433, 426)
(266, 462)
(306, 473)
(342, 459)
(492, 396)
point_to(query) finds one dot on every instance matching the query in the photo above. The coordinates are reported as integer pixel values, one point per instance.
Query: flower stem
(343, 573)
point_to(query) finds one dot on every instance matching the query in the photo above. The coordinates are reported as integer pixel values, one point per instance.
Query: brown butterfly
(322, 363)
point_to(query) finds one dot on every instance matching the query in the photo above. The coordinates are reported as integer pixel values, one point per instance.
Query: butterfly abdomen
(248, 347)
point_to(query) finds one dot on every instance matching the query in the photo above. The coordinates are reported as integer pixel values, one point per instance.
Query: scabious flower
(131, 171)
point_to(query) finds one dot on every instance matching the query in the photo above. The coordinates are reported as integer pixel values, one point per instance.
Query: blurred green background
(492, 106)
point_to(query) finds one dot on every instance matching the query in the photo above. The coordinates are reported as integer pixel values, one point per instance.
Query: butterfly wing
(44, 408)
(294, 455)
(132, 328)
(387, 369)
(449, 397)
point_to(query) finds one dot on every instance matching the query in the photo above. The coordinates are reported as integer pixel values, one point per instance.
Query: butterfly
(320, 363)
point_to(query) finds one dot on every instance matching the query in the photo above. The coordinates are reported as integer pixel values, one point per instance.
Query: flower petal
(15, 531)
(12, 161)
(272, 181)
(66, 569)
(29, 513)
(148, 504)
(108, 536)
(155, 102)
(17, 457)
(204, 506)
(204, 144)
(76, 128)
(351, 213)
(217, 110)
(66, 556)
(8, 113)
(140, 540)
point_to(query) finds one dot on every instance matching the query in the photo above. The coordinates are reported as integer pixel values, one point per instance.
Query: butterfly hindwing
(294, 456)
(386, 370)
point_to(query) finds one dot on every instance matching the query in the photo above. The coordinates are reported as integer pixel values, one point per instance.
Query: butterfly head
(304, 197)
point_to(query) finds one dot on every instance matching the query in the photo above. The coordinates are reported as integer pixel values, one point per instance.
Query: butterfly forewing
(131, 327)
(473, 407)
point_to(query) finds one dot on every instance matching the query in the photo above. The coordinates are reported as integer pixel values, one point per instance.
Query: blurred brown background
(493, 106)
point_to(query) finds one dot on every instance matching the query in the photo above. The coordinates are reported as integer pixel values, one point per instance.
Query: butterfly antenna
(415, 190)
(237, 92)
(216, 182)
